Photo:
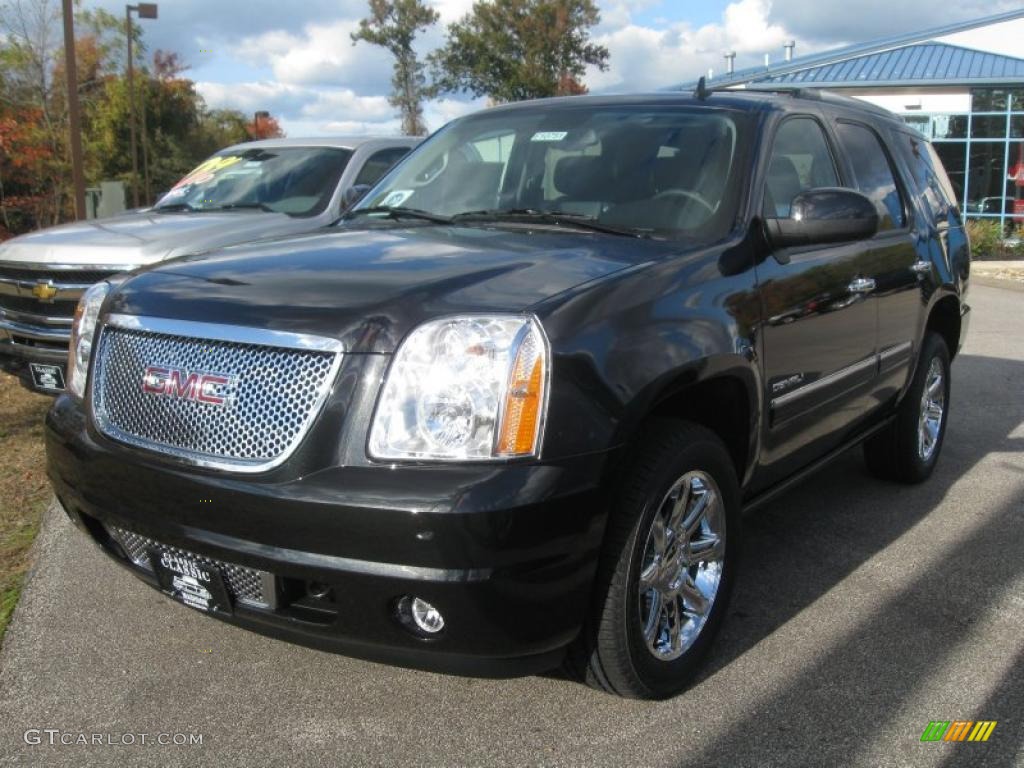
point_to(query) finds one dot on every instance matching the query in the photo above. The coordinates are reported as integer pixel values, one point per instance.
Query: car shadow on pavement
(807, 542)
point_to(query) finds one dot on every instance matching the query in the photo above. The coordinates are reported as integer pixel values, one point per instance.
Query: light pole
(74, 118)
(145, 11)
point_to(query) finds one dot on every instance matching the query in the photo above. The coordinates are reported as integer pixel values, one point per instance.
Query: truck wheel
(668, 565)
(907, 450)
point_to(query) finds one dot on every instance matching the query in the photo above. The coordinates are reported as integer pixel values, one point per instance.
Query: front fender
(623, 347)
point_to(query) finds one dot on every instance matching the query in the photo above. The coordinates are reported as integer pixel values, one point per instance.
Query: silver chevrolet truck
(245, 192)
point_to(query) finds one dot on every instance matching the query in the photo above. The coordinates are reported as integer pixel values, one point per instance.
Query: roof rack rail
(817, 94)
(796, 91)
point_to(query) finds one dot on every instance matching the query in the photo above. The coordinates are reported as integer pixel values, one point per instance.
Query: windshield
(662, 171)
(298, 181)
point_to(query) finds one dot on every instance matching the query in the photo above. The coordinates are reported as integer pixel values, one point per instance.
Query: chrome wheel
(682, 565)
(933, 410)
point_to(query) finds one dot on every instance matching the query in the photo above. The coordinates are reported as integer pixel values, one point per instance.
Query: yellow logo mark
(958, 730)
(982, 730)
(44, 291)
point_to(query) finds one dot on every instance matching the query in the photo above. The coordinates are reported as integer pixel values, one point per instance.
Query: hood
(369, 288)
(145, 237)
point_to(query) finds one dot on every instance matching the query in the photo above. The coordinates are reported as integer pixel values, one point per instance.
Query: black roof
(747, 99)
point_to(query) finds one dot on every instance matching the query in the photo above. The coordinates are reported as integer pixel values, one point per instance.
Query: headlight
(464, 388)
(82, 331)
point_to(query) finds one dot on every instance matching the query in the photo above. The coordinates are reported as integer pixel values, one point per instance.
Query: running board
(797, 478)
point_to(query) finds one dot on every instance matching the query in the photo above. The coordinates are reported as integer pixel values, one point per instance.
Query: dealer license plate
(197, 584)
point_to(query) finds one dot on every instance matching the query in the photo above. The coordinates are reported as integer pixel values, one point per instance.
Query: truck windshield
(655, 171)
(298, 181)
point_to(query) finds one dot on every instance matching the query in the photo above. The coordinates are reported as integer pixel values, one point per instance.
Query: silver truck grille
(246, 585)
(257, 420)
(29, 321)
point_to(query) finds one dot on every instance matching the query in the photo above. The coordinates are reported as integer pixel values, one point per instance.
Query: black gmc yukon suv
(509, 411)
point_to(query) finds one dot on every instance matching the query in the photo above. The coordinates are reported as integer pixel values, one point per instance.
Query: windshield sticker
(549, 135)
(205, 171)
(396, 198)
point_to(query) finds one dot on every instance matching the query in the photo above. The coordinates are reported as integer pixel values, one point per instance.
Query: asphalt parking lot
(865, 611)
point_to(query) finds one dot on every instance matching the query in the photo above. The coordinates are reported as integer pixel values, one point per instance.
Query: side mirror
(353, 195)
(824, 215)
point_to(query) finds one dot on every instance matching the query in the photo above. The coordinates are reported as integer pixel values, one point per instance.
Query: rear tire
(669, 562)
(907, 450)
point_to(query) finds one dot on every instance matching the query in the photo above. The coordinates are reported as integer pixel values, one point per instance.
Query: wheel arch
(944, 318)
(720, 394)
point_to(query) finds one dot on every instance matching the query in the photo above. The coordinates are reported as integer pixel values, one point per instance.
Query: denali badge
(209, 388)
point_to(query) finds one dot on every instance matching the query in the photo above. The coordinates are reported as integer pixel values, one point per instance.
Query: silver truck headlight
(83, 329)
(465, 388)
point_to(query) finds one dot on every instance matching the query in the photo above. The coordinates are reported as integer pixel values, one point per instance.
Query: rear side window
(800, 161)
(930, 175)
(873, 174)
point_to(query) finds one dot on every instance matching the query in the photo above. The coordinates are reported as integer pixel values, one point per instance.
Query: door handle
(861, 285)
(921, 267)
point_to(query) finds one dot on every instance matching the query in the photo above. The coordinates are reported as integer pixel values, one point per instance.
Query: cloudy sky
(295, 58)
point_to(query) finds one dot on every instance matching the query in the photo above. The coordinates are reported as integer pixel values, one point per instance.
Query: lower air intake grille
(246, 585)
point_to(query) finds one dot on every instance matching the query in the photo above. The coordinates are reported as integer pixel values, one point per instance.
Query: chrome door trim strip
(895, 350)
(824, 382)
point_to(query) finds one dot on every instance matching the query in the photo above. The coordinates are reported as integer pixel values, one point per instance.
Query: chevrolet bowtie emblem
(44, 290)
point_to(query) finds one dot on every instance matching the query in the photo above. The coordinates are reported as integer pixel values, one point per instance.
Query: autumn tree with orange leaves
(35, 175)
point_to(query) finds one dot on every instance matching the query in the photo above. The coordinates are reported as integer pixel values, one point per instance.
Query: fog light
(426, 616)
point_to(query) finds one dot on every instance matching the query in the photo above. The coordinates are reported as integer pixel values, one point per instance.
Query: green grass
(24, 490)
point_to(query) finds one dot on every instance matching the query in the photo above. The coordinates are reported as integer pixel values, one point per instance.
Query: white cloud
(319, 83)
(1002, 38)
(833, 22)
(643, 57)
(322, 54)
(619, 13)
(452, 10)
(308, 108)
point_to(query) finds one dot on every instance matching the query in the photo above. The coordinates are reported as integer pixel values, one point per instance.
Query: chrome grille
(275, 393)
(26, 320)
(246, 585)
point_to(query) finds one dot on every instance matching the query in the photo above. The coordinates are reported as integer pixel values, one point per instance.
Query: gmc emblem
(209, 388)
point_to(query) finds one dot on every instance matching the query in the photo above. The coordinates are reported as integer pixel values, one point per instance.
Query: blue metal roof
(912, 64)
(838, 58)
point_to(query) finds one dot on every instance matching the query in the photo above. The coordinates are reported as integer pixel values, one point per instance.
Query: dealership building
(970, 103)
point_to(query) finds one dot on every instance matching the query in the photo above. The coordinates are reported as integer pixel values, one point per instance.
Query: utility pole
(145, 11)
(74, 114)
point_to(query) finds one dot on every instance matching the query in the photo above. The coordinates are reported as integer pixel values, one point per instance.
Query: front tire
(908, 449)
(668, 566)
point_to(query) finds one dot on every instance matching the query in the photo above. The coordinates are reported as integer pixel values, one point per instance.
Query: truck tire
(668, 565)
(907, 450)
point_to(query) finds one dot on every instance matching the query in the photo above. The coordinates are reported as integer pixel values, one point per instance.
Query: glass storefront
(983, 152)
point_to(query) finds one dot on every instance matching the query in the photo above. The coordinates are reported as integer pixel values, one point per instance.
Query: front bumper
(507, 553)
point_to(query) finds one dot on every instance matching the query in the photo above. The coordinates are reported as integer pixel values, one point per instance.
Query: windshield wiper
(242, 206)
(174, 207)
(398, 212)
(558, 218)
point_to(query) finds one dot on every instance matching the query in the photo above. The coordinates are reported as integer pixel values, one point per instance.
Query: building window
(983, 154)
(949, 127)
(996, 99)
